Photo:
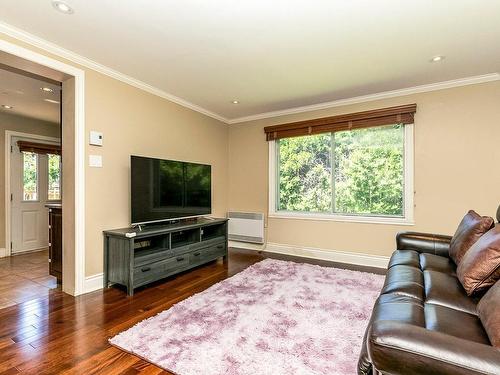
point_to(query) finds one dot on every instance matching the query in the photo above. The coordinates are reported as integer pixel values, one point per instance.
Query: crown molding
(54, 49)
(371, 97)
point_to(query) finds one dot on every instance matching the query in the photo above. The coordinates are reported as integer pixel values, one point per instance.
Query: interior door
(29, 188)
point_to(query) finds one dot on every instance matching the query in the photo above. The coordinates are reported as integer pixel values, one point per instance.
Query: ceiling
(273, 55)
(24, 94)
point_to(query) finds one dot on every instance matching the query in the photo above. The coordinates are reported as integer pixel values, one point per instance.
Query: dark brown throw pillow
(480, 266)
(470, 229)
(488, 310)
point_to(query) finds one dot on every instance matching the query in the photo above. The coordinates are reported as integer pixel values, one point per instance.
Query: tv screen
(168, 189)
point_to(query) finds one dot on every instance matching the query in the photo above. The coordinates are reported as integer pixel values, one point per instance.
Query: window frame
(408, 195)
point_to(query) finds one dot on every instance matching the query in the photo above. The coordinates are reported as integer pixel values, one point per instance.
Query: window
(362, 174)
(54, 177)
(30, 176)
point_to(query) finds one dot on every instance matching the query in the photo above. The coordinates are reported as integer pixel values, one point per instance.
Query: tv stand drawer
(207, 253)
(154, 271)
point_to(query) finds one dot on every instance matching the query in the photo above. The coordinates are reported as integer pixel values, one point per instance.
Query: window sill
(341, 218)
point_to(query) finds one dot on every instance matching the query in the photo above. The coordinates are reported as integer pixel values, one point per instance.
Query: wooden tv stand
(159, 251)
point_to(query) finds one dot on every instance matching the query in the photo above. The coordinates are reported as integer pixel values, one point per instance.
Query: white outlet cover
(95, 161)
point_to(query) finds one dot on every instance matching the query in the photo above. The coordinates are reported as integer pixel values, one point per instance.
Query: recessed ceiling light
(46, 89)
(62, 7)
(51, 101)
(437, 58)
(5, 106)
(235, 101)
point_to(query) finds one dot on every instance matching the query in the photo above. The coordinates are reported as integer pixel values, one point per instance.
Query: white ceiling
(273, 55)
(24, 94)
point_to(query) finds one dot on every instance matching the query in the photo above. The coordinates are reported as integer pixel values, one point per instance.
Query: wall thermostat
(95, 138)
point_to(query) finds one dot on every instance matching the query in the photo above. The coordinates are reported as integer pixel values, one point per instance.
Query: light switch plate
(95, 161)
(95, 138)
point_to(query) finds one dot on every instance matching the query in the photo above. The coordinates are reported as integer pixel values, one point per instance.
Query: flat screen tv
(163, 190)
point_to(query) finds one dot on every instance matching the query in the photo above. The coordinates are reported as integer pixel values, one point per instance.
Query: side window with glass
(30, 176)
(54, 177)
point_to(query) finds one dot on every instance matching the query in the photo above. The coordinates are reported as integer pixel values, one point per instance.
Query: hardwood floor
(61, 334)
(25, 277)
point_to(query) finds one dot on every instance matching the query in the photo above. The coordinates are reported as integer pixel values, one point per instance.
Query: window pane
(369, 177)
(305, 174)
(30, 176)
(54, 177)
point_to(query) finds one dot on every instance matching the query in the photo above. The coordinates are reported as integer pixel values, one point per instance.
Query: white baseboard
(246, 245)
(348, 257)
(3, 252)
(93, 283)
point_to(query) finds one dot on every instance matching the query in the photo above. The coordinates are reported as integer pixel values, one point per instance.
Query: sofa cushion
(404, 280)
(470, 229)
(489, 312)
(430, 262)
(443, 319)
(480, 266)
(399, 310)
(405, 257)
(446, 290)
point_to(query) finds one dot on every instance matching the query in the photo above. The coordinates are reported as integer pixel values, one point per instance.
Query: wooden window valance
(39, 148)
(394, 115)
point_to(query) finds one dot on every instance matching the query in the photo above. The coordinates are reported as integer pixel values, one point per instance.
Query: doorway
(30, 121)
(73, 165)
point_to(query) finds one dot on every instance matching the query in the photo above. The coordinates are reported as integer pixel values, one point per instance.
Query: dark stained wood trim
(39, 148)
(393, 115)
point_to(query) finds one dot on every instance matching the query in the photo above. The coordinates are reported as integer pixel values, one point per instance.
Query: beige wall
(24, 125)
(457, 153)
(136, 122)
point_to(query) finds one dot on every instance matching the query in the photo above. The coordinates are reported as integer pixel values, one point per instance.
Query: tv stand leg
(130, 290)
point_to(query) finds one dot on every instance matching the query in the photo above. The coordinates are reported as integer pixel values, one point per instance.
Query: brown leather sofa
(423, 321)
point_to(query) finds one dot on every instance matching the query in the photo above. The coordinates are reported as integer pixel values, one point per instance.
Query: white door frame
(79, 119)
(9, 134)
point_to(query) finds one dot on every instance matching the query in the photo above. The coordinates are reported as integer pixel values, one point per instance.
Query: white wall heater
(246, 227)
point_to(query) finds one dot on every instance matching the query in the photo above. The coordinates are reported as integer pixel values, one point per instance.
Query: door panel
(30, 223)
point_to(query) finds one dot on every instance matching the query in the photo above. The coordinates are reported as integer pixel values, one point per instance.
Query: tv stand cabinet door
(119, 261)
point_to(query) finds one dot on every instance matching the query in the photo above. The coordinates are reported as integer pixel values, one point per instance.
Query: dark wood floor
(25, 277)
(60, 334)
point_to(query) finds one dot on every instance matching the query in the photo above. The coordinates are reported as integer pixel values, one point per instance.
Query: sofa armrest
(437, 244)
(400, 348)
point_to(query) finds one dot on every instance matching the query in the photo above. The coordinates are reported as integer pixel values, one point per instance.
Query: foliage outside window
(30, 176)
(357, 172)
(54, 177)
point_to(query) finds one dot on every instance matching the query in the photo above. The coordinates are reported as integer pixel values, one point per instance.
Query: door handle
(196, 254)
(180, 259)
(146, 269)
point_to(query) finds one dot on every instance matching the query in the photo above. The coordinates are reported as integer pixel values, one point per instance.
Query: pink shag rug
(274, 318)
